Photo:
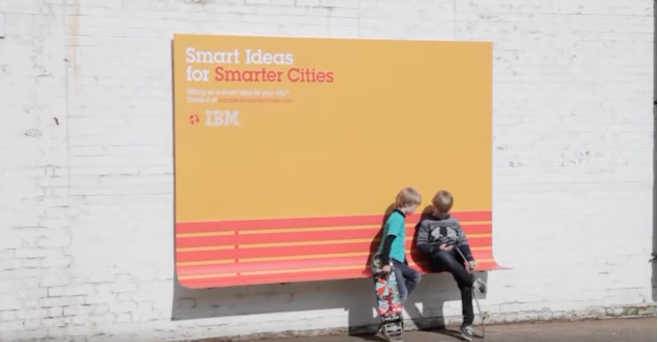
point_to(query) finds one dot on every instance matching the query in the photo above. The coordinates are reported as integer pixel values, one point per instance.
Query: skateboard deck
(389, 306)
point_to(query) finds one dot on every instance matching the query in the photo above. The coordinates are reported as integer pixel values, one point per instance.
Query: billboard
(271, 129)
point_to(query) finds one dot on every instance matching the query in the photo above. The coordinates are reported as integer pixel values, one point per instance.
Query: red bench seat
(251, 252)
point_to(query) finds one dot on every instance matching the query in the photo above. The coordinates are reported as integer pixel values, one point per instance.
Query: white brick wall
(86, 240)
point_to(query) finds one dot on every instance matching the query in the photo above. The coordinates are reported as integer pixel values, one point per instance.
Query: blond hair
(407, 197)
(442, 202)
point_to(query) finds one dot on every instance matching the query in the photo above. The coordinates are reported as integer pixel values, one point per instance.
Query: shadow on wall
(355, 296)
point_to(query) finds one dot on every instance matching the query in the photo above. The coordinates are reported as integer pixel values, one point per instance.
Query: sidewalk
(618, 330)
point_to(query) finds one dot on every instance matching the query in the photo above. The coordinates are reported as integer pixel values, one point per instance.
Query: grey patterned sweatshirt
(434, 231)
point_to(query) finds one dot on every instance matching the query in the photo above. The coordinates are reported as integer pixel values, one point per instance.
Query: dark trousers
(407, 279)
(452, 262)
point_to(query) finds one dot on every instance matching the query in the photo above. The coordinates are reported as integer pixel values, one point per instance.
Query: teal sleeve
(395, 225)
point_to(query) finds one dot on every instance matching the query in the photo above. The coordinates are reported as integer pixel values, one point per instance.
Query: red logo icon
(194, 119)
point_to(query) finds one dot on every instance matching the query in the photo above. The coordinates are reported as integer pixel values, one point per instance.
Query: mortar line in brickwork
(454, 19)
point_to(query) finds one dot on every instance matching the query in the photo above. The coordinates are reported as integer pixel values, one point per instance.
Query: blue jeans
(407, 279)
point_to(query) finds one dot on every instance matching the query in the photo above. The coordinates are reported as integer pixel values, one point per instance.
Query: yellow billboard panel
(270, 128)
(290, 127)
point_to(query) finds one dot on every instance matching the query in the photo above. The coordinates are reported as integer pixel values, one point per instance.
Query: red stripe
(273, 265)
(290, 277)
(296, 264)
(268, 279)
(241, 239)
(304, 222)
(284, 251)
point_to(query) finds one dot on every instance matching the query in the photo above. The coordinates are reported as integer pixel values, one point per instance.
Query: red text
(294, 75)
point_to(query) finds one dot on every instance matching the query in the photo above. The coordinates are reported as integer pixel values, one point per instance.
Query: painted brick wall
(86, 235)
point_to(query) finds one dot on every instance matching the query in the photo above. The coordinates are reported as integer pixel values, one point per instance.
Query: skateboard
(389, 306)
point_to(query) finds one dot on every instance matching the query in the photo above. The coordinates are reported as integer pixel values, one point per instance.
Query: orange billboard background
(282, 128)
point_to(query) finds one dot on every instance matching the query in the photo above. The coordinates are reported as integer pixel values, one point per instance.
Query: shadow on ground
(627, 330)
(425, 307)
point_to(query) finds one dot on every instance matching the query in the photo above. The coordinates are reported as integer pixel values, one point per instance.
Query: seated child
(392, 246)
(439, 235)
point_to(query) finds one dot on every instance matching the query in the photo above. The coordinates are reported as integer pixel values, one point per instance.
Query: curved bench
(251, 252)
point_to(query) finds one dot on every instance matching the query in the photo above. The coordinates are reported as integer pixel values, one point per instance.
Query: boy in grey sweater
(438, 237)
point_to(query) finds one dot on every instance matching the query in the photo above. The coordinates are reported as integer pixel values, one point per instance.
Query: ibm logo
(222, 118)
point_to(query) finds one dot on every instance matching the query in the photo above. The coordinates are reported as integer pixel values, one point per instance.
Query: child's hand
(387, 269)
(445, 247)
(473, 264)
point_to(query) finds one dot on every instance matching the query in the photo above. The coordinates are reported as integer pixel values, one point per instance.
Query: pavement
(610, 330)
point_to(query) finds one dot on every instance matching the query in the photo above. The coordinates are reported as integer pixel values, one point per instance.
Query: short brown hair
(407, 197)
(442, 201)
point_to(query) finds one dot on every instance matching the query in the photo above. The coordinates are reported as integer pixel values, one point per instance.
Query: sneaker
(466, 332)
(480, 286)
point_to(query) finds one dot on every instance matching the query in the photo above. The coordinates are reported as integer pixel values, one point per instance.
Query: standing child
(439, 235)
(392, 246)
